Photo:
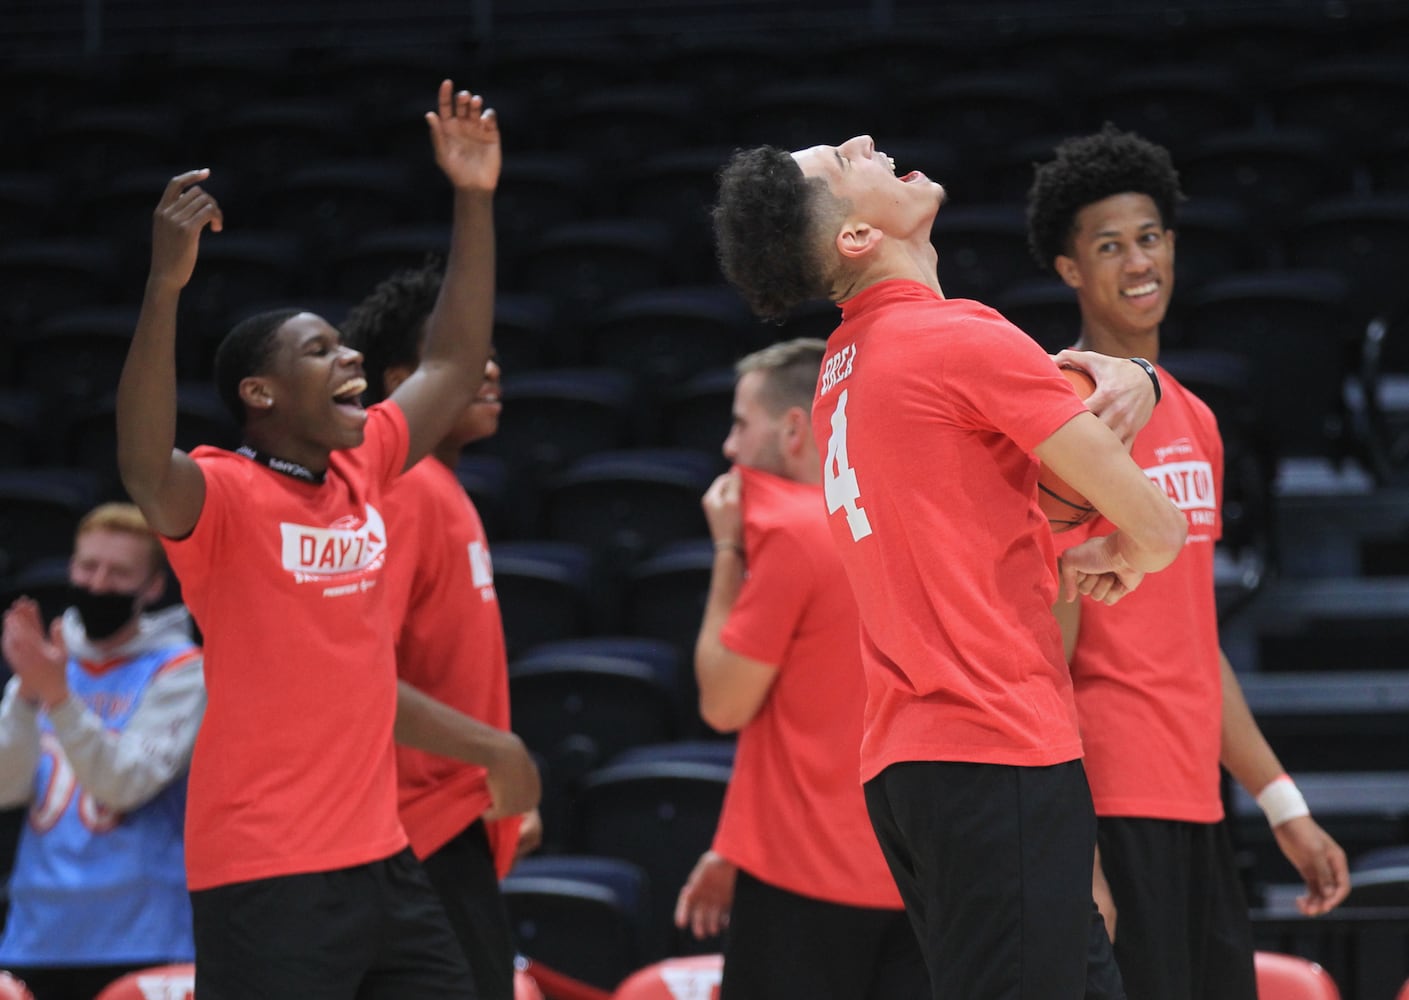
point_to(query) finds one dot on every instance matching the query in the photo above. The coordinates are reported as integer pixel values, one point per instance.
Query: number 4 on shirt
(839, 478)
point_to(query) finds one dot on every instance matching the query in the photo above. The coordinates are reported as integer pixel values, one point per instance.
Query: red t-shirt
(449, 643)
(293, 769)
(1148, 686)
(926, 411)
(795, 768)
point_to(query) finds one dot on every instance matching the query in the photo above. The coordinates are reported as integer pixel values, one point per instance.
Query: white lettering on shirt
(838, 367)
(341, 555)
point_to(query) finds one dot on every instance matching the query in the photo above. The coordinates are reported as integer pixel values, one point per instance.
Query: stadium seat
(1290, 977)
(1364, 239)
(1215, 236)
(665, 595)
(1376, 887)
(699, 412)
(167, 982)
(259, 141)
(1044, 309)
(664, 335)
(983, 249)
(984, 110)
(659, 814)
(661, 657)
(20, 427)
(694, 976)
(545, 591)
(39, 510)
(579, 710)
(556, 416)
(576, 926)
(1298, 388)
(582, 266)
(717, 752)
(89, 144)
(1357, 98)
(629, 912)
(46, 581)
(329, 203)
(523, 332)
(29, 204)
(374, 254)
(1174, 104)
(798, 112)
(677, 186)
(536, 192)
(57, 274)
(624, 504)
(1274, 174)
(626, 123)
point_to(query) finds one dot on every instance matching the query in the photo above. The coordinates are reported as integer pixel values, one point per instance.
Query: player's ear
(857, 239)
(1068, 271)
(256, 393)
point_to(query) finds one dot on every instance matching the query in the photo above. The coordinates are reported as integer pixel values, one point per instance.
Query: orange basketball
(1065, 508)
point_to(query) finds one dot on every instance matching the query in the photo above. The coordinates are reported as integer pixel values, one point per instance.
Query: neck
(447, 453)
(1119, 343)
(314, 458)
(806, 468)
(908, 261)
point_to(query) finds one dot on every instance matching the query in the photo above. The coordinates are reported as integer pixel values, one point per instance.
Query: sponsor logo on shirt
(1190, 486)
(482, 571)
(837, 367)
(345, 556)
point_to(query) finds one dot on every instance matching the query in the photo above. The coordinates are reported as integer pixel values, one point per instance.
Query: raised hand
(38, 657)
(465, 135)
(184, 210)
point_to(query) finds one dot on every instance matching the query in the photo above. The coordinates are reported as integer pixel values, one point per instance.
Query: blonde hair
(127, 519)
(790, 370)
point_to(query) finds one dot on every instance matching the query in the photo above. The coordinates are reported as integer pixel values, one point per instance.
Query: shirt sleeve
(764, 618)
(124, 769)
(19, 747)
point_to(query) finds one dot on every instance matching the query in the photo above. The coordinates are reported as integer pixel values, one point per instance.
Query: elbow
(721, 716)
(1167, 539)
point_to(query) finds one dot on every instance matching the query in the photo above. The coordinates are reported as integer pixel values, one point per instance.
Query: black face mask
(102, 614)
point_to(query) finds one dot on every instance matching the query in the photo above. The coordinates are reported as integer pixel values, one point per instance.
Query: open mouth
(350, 392)
(1148, 288)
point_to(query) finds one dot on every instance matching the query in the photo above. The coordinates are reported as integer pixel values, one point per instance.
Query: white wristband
(1281, 800)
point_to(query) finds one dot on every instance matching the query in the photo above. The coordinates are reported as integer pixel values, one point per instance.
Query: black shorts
(462, 874)
(781, 944)
(994, 865)
(370, 932)
(1182, 929)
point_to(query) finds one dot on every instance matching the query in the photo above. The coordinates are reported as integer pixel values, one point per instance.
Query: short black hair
(246, 350)
(790, 369)
(767, 234)
(387, 326)
(1091, 168)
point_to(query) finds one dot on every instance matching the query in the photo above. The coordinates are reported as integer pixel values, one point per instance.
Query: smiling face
(481, 418)
(311, 392)
(902, 207)
(1120, 260)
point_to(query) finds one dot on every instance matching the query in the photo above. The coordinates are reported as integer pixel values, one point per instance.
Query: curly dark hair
(1088, 169)
(246, 350)
(768, 231)
(387, 326)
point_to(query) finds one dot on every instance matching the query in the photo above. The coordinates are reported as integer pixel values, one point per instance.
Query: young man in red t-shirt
(813, 911)
(933, 413)
(1159, 705)
(301, 881)
(449, 635)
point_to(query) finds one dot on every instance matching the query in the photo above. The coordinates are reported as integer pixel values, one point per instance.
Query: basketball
(1064, 507)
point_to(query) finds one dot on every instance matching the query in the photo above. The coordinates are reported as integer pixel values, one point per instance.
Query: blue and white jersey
(99, 875)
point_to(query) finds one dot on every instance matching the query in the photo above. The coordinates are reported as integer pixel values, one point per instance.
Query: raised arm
(732, 687)
(465, 135)
(1150, 530)
(164, 482)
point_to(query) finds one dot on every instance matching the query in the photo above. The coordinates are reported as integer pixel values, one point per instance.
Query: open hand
(704, 902)
(38, 658)
(465, 135)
